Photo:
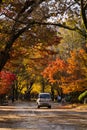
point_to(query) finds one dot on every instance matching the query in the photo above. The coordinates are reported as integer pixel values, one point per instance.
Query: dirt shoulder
(72, 106)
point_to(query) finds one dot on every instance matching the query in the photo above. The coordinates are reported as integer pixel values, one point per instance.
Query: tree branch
(77, 2)
(55, 24)
(83, 13)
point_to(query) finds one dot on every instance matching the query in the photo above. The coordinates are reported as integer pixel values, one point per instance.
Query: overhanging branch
(55, 24)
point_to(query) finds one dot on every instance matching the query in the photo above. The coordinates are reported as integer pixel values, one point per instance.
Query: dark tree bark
(83, 12)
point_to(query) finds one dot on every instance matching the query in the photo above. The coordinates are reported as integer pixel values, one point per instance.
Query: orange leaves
(81, 51)
(71, 75)
(6, 79)
(77, 61)
(56, 66)
(77, 68)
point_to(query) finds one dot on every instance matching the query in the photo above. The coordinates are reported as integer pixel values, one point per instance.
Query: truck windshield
(44, 96)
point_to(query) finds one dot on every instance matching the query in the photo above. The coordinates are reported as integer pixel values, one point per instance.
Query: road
(26, 116)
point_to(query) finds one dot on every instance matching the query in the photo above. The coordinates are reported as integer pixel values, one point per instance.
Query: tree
(6, 80)
(70, 75)
(78, 70)
(20, 16)
(55, 74)
(70, 41)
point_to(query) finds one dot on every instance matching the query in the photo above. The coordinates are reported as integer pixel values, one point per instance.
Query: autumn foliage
(6, 79)
(55, 70)
(71, 74)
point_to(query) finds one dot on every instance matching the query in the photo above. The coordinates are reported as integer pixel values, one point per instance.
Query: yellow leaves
(7, 1)
(36, 88)
(1, 27)
(23, 90)
(72, 87)
(22, 84)
(71, 23)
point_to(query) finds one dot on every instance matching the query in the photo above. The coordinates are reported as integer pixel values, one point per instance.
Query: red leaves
(6, 79)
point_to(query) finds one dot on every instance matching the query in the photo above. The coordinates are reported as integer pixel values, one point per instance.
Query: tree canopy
(30, 35)
(70, 75)
(17, 17)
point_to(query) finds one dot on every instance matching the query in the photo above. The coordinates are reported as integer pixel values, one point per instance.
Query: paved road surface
(26, 116)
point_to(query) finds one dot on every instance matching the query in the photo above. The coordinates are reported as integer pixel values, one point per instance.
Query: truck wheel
(38, 106)
(49, 107)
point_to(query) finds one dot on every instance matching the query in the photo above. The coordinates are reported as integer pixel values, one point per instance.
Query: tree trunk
(52, 92)
(4, 54)
(43, 86)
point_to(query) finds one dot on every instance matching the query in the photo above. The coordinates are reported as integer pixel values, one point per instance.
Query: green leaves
(82, 96)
